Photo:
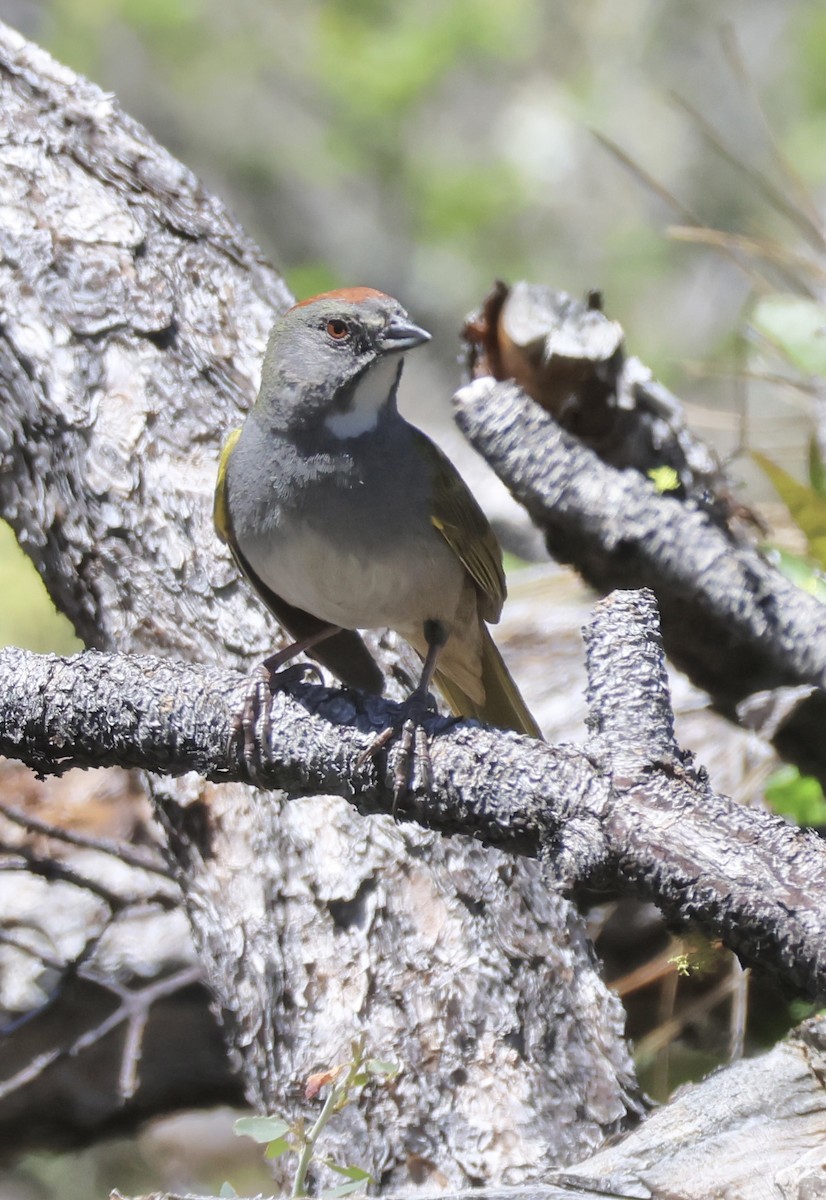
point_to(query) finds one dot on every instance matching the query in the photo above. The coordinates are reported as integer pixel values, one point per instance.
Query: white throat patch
(369, 398)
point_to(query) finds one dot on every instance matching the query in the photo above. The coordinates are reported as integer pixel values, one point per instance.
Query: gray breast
(345, 533)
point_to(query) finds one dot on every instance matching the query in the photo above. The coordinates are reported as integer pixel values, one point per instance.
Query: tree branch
(729, 618)
(135, 315)
(629, 810)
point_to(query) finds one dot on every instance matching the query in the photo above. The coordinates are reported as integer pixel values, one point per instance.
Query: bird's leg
(271, 666)
(252, 725)
(413, 752)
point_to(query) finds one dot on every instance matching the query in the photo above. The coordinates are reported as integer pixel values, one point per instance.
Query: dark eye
(338, 330)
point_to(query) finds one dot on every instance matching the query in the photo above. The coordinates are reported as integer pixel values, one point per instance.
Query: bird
(343, 516)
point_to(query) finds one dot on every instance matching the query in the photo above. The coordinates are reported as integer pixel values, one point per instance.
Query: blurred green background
(427, 149)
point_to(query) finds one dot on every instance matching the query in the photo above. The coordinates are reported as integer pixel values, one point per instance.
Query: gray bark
(134, 317)
(597, 816)
(753, 1131)
(730, 620)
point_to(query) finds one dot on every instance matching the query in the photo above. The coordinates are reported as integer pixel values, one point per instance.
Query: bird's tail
(503, 706)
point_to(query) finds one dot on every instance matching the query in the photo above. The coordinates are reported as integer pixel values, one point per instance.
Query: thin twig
(759, 280)
(758, 181)
(803, 200)
(134, 1005)
(133, 856)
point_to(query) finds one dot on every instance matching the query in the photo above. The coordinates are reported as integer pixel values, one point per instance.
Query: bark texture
(754, 1130)
(629, 810)
(730, 620)
(134, 318)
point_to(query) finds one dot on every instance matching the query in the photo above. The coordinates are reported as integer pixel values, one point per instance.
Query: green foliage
(801, 1010)
(812, 56)
(357, 1179)
(798, 797)
(513, 563)
(79, 28)
(801, 571)
(805, 503)
(797, 326)
(27, 616)
(697, 956)
(665, 479)
(280, 1137)
(456, 200)
(807, 506)
(681, 964)
(261, 1129)
(817, 470)
(311, 278)
(685, 1065)
(160, 18)
(378, 58)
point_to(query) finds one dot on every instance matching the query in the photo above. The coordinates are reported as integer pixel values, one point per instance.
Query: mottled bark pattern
(752, 1131)
(730, 620)
(134, 318)
(629, 810)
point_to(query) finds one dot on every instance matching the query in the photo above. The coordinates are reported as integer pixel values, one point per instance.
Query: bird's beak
(402, 335)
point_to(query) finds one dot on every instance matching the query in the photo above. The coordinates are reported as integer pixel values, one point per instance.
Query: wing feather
(466, 529)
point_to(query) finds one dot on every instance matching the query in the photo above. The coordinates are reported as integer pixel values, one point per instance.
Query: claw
(252, 725)
(255, 709)
(413, 766)
(411, 757)
(272, 676)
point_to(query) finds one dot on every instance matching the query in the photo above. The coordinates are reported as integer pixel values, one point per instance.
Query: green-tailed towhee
(343, 516)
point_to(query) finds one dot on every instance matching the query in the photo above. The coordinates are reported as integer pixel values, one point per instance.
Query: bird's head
(335, 360)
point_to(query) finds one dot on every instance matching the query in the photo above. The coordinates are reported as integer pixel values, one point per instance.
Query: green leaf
(665, 479)
(312, 278)
(277, 1147)
(801, 572)
(27, 615)
(227, 1191)
(261, 1129)
(799, 797)
(808, 509)
(343, 1189)
(797, 326)
(376, 1066)
(513, 562)
(817, 470)
(801, 1010)
(357, 1173)
(681, 964)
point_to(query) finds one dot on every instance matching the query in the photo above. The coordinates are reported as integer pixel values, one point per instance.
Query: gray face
(323, 355)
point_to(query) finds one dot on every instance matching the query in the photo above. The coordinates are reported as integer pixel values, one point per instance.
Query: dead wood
(135, 313)
(630, 809)
(730, 620)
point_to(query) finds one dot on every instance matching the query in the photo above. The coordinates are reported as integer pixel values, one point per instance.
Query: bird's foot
(412, 765)
(252, 725)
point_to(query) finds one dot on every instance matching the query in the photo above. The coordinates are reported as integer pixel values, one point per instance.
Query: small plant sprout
(342, 1083)
(665, 479)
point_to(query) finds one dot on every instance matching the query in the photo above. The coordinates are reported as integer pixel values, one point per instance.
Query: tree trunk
(135, 314)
